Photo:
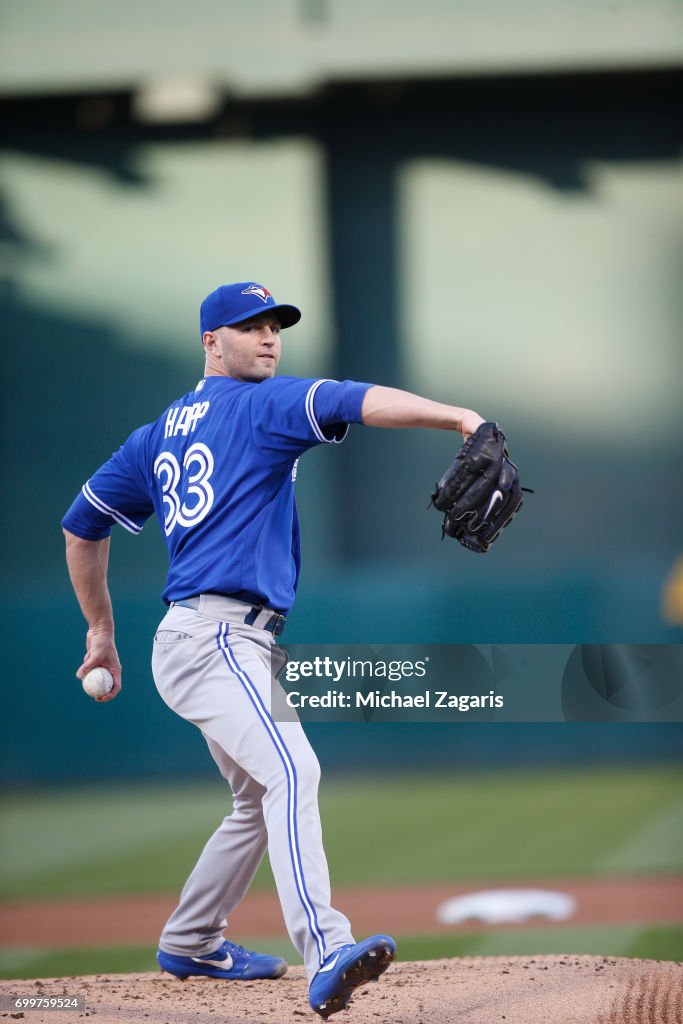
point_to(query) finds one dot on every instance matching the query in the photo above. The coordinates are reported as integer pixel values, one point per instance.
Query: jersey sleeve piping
(310, 412)
(101, 506)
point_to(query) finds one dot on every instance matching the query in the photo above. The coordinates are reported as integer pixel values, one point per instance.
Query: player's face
(250, 351)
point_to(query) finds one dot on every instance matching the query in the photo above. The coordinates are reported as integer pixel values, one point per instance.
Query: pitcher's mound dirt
(474, 990)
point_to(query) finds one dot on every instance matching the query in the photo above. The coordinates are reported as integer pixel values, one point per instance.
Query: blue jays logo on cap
(258, 289)
(232, 303)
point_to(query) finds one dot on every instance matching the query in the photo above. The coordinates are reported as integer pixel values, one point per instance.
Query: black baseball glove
(480, 492)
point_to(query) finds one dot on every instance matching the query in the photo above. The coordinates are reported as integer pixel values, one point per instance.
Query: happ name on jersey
(186, 421)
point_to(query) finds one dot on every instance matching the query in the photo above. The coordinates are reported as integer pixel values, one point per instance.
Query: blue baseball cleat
(347, 969)
(231, 962)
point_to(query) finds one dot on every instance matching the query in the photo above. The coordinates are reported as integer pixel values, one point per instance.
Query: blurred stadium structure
(477, 201)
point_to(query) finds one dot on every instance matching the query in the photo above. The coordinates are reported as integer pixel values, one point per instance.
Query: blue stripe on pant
(290, 771)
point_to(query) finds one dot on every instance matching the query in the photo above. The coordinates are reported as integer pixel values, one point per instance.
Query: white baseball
(98, 682)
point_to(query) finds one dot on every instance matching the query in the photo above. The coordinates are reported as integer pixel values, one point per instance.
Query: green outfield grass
(661, 943)
(427, 828)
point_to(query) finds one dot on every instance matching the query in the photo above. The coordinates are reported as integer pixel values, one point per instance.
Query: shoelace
(231, 947)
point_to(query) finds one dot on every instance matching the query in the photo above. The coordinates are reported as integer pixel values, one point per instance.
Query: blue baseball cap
(232, 303)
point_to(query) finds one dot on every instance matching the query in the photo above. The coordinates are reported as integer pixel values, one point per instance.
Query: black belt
(274, 623)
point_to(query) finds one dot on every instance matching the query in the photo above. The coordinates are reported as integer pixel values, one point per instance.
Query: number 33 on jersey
(198, 458)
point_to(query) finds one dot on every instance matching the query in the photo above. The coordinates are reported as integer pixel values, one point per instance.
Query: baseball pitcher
(217, 469)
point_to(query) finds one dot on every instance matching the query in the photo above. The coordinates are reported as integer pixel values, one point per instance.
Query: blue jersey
(218, 469)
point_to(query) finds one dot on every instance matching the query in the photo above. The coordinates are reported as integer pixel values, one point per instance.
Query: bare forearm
(390, 407)
(87, 562)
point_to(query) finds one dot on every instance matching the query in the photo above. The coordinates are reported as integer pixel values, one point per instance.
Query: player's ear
(210, 343)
